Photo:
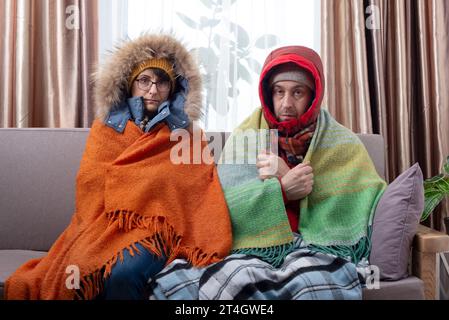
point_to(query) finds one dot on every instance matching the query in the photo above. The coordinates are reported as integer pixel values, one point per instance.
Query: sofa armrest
(428, 244)
(430, 241)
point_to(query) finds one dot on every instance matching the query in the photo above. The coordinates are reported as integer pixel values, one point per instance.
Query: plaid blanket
(304, 275)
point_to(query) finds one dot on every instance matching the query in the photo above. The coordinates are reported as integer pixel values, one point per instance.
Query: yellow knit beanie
(160, 63)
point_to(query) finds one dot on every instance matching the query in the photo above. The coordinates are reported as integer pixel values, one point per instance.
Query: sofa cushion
(396, 222)
(374, 144)
(10, 260)
(37, 185)
(410, 288)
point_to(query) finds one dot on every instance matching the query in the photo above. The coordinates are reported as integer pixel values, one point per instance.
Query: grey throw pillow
(395, 223)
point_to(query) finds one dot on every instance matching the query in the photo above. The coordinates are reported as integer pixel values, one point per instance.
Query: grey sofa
(38, 169)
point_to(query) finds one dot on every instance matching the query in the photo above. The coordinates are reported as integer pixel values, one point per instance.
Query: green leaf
(189, 22)
(244, 74)
(205, 22)
(231, 73)
(207, 58)
(429, 205)
(446, 166)
(435, 189)
(212, 96)
(220, 2)
(217, 39)
(231, 93)
(267, 41)
(241, 34)
(254, 64)
(242, 54)
(431, 192)
(232, 84)
(433, 179)
(443, 185)
(440, 184)
(231, 43)
(208, 3)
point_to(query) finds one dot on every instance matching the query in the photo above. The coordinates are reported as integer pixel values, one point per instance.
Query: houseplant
(435, 190)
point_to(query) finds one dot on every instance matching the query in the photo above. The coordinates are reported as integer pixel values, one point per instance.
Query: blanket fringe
(356, 253)
(273, 255)
(164, 241)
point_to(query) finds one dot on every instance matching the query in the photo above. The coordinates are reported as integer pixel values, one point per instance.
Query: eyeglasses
(145, 84)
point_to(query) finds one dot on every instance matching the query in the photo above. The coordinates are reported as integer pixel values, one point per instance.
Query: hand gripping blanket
(128, 191)
(335, 218)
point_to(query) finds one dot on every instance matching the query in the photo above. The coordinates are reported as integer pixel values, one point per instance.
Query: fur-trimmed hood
(111, 78)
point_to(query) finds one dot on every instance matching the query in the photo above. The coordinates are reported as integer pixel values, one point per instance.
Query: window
(231, 39)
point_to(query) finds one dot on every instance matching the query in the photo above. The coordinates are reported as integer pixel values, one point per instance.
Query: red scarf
(293, 150)
(296, 145)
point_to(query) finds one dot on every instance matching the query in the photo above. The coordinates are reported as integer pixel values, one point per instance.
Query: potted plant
(435, 190)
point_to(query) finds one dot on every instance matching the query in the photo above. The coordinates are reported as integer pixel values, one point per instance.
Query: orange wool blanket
(127, 192)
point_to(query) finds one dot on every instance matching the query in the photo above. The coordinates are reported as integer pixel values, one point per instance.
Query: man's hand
(298, 182)
(270, 165)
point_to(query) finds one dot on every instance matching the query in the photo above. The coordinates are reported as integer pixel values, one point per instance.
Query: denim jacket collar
(133, 109)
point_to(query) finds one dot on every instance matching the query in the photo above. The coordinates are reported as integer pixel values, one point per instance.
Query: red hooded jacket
(309, 60)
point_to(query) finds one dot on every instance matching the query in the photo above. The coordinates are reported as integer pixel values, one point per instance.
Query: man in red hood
(317, 178)
(291, 89)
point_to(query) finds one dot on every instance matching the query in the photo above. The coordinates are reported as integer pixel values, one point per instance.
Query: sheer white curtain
(113, 24)
(230, 39)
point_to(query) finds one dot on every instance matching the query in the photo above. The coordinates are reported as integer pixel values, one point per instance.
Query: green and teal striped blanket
(335, 218)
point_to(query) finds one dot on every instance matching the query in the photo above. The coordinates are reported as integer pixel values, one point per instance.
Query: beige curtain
(47, 51)
(387, 69)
